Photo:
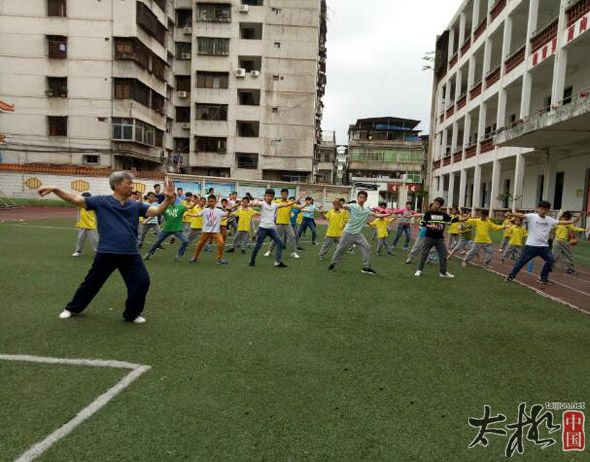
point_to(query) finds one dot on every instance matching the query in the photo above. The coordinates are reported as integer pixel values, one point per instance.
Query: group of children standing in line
(286, 219)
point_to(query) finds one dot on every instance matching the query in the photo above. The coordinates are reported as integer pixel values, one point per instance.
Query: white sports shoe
(447, 275)
(267, 253)
(76, 254)
(295, 255)
(418, 273)
(139, 320)
(65, 314)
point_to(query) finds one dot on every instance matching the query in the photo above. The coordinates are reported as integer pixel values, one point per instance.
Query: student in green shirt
(173, 226)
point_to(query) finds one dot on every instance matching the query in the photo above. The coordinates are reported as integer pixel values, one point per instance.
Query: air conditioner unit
(241, 73)
(186, 126)
(244, 8)
(185, 56)
(255, 73)
(188, 30)
(183, 94)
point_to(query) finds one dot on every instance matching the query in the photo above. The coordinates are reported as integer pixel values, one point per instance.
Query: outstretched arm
(74, 199)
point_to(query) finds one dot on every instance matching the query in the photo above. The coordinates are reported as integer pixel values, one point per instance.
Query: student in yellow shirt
(336, 221)
(381, 224)
(563, 242)
(86, 229)
(196, 221)
(507, 224)
(186, 220)
(244, 214)
(482, 240)
(454, 229)
(516, 235)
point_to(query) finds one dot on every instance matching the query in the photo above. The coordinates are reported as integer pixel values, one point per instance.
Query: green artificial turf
(294, 364)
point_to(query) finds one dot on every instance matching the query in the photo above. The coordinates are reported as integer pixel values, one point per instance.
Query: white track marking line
(136, 371)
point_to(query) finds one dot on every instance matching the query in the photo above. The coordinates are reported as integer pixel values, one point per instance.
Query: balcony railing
(446, 161)
(514, 59)
(479, 30)
(497, 9)
(475, 91)
(441, 118)
(470, 151)
(486, 145)
(545, 35)
(493, 76)
(466, 45)
(436, 164)
(458, 156)
(576, 11)
(450, 111)
(462, 101)
(454, 59)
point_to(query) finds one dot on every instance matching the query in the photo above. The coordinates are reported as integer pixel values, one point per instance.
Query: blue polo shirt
(117, 224)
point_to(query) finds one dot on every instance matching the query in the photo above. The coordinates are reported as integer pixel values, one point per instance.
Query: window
(183, 50)
(212, 79)
(182, 144)
(251, 31)
(247, 160)
(210, 144)
(125, 129)
(253, 2)
(56, 8)
(276, 11)
(211, 111)
(58, 46)
(248, 129)
(213, 46)
(558, 196)
(57, 87)
(250, 63)
(183, 83)
(123, 88)
(148, 21)
(183, 114)
(567, 96)
(58, 126)
(184, 18)
(213, 12)
(132, 49)
(249, 97)
(277, 44)
(87, 159)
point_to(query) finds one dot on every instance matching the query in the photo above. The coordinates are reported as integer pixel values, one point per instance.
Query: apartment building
(511, 106)
(89, 80)
(386, 154)
(250, 77)
(219, 88)
(327, 158)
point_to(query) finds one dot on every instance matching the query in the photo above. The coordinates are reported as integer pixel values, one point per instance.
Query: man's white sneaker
(65, 314)
(139, 320)
(295, 255)
(267, 253)
(76, 254)
(446, 275)
(418, 273)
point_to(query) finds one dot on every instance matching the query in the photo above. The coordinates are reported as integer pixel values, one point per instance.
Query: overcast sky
(375, 50)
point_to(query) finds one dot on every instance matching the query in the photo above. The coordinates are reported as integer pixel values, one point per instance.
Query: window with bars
(56, 8)
(213, 12)
(211, 144)
(148, 21)
(137, 91)
(134, 50)
(57, 46)
(213, 46)
(247, 160)
(211, 111)
(184, 18)
(183, 83)
(182, 144)
(183, 50)
(212, 79)
(57, 87)
(253, 2)
(57, 126)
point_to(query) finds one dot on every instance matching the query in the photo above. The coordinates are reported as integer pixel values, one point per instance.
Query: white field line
(136, 370)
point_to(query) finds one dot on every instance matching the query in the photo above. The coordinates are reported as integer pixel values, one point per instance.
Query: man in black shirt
(435, 220)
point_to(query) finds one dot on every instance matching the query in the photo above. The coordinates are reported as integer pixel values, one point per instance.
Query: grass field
(276, 365)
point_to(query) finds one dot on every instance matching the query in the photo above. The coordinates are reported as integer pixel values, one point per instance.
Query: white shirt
(268, 214)
(539, 229)
(212, 220)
